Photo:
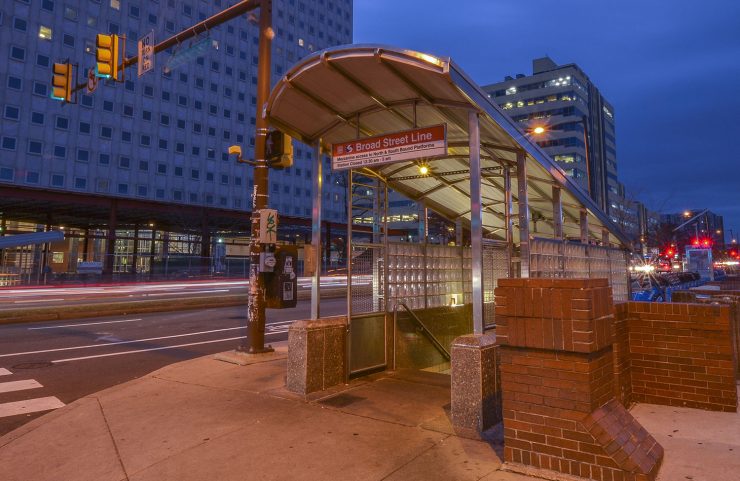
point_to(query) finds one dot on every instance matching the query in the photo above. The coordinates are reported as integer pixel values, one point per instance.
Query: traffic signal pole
(255, 340)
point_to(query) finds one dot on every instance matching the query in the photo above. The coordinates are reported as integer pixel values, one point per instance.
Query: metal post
(476, 220)
(508, 215)
(584, 226)
(110, 245)
(135, 257)
(86, 245)
(255, 340)
(152, 253)
(318, 181)
(523, 200)
(605, 237)
(423, 224)
(557, 212)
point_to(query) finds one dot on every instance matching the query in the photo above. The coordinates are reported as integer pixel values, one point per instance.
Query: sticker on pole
(146, 53)
(268, 226)
(422, 143)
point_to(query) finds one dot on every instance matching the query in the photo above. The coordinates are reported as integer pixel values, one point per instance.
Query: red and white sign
(422, 143)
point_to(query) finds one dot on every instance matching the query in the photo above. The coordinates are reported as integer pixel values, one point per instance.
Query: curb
(80, 311)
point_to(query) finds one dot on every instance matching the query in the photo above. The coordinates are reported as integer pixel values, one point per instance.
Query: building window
(141, 191)
(106, 132)
(37, 118)
(20, 24)
(193, 197)
(80, 183)
(124, 162)
(68, 40)
(9, 143)
(144, 165)
(83, 155)
(102, 185)
(162, 169)
(42, 60)
(86, 101)
(34, 147)
(47, 5)
(32, 177)
(60, 151)
(145, 140)
(195, 174)
(62, 123)
(45, 32)
(12, 112)
(177, 195)
(178, 171)
(104, 159)
(85, 127)
(122, 188)
(40, 89)
(17, 53)
(57, 180)
(14, 83)
(6, 173)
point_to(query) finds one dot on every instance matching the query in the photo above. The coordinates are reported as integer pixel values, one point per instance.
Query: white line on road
(81, 324)
(19, 385)
(183, 293)
(4, 372)
(155, 348)
(38, 300)
(30, 406)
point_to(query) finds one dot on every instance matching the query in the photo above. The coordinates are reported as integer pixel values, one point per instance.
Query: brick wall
(679, 355)
(557, 380)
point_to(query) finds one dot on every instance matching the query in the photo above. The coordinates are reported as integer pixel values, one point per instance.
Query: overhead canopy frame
(356, 91)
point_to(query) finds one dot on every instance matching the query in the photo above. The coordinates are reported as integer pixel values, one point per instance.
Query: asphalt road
(14, 298)
(44, 366)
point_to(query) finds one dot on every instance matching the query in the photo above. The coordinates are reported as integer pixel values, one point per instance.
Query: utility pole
(255, 340)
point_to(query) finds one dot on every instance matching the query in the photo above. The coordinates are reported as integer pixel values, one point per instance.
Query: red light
(695, 242)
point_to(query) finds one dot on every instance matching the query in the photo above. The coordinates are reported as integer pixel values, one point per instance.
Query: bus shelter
(525, 217)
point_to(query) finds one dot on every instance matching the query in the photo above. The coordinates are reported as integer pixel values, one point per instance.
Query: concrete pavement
(205, 419)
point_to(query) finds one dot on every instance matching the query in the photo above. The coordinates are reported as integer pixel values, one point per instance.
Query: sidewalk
(209, 420)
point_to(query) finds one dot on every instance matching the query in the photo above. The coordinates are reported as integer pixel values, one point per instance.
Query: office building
(578, 125)
(148, 155)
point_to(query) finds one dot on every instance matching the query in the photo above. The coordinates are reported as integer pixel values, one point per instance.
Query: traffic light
(279, 150)
(106, 56)
(61, 82)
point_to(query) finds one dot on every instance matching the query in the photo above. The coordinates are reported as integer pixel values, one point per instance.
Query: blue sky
(670, 68)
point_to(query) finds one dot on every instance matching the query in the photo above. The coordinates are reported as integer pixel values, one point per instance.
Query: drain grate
(33, 365)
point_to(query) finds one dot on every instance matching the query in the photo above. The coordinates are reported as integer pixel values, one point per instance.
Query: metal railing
(424, 330)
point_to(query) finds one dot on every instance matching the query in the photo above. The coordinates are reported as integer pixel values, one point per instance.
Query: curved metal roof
(355, 91)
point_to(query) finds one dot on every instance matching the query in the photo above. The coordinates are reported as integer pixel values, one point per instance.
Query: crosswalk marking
(30, 406)
(19, 385)
(4, 372)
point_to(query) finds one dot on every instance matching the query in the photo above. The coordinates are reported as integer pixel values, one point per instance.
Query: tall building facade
(578, 122)
(160, 139)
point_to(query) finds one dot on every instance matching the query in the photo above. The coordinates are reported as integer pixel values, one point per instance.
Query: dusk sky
(671, 69)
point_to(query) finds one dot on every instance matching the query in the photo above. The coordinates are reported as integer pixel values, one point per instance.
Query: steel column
(605, 237)
(523, 200)
(557, 212)
(152, 252)
(508, 215)
(318, 182)
(476, 220)
(110, 244)
(583, 222)
(135, 256)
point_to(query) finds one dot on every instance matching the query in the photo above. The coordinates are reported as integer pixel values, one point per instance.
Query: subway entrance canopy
(357, 91)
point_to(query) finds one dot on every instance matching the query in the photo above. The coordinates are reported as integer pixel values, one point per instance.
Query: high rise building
(156, 143)
(578, 125)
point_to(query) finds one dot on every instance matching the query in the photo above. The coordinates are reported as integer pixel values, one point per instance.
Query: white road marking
(154, 349)
(81, 324)
(30, 406)
(106, 344)
(4, 372)
(38, 300)
(19, 385)
(184, 293)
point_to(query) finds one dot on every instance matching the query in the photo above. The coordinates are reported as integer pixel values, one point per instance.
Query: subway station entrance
(516, 212)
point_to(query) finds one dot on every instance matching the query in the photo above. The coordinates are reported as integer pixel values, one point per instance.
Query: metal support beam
(423, 214)
(583, 223)
(110, 244)
(476, 220)
(521, 180)
(605, 237)
(557, 212)
(135, 256)
(318, 181)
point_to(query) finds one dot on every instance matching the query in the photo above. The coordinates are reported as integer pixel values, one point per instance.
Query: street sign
(92, 81)
(146, 53)
(268, 226)
(422, 143)
(195, 50)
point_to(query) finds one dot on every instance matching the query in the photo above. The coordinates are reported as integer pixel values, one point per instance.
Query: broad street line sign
(422, 143)
(146, 53)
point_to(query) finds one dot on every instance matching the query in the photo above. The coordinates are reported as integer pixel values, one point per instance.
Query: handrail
(426, 331)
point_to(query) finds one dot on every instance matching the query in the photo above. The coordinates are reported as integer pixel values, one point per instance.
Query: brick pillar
(557, 381)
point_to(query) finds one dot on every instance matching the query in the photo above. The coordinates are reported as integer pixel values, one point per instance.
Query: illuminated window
(115, 4)
(44, 32)
(566, 158)
(511, 91)
(300, 42)
(520, 103)
(508, 105)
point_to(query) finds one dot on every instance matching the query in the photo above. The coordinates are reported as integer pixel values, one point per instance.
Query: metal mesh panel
(367, 278)
(495, 266)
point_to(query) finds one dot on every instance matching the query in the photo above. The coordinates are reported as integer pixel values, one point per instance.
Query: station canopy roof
(367, 90)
